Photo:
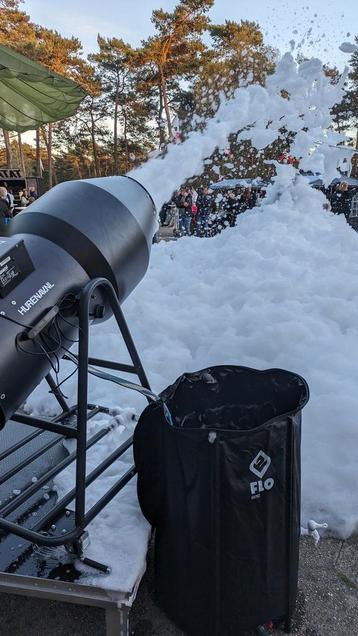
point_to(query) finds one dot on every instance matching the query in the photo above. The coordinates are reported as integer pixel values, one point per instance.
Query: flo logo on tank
(259, 467)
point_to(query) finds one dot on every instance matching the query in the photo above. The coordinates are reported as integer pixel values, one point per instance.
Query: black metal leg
(82, 399)
(118, 314)
(117, 621)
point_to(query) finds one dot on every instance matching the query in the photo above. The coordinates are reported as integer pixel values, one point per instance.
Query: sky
(331, 22)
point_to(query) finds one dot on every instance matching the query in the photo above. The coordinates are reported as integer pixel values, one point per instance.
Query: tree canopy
(140, 98)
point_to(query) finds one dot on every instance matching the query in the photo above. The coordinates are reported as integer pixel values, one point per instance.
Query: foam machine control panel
(15, 265)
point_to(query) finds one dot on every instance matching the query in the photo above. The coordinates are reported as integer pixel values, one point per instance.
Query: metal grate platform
(28, 457)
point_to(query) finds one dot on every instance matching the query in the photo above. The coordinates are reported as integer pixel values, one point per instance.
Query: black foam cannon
(77, 232)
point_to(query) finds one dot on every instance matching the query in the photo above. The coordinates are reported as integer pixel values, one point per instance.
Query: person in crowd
(194, 213)
(30, 200)
(214, 219)
(194, 195)
(247, 200)
(231, 208)
(341, 200)
(33, 193)
(5, 211)
(183, 201)
(9, 197)
(204, 206)
(163, 213)
(23, 198)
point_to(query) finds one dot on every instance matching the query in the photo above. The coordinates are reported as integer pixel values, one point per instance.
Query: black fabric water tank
(222, 489)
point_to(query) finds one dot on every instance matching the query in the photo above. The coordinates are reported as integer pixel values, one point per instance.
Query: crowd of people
(206, 212)
(203, 212)
(11, 204)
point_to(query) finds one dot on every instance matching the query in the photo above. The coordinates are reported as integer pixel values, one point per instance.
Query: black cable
(53, 352)
(68, 322)
(69, 352)
(64, 380)
(67, 296)
(58, 331)
(61, 332)
(20, 348)
(59, 342)
(43, 351)
(40, 342)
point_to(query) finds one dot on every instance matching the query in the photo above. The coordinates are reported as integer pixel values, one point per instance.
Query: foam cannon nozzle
(78, 231)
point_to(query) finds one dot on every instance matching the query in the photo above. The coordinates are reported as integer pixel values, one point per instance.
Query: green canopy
(31, 95)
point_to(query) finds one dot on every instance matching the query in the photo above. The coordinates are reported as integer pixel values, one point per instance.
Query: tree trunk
(166, 105)
(95, 154)
(9, 157)
(115, 135)
(21, 153)
(354, 172)
(49, 156)
(160, 122)
(79, 171)
(54, 173)
(94, 147)
(126, 149)
(52, 176)
(38, 155)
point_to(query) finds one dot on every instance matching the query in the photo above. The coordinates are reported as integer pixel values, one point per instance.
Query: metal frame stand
(74, 539)
(116, 604)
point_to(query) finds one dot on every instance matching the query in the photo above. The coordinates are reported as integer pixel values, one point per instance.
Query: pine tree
(345, 114)
(174, 52)
(64, 56)
(352, 92)
(10, 4)
(16, 29)
(237, 57)
(129, 108)
(351, 99)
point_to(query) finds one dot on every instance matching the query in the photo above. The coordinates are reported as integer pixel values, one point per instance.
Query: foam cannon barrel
(78, 231)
